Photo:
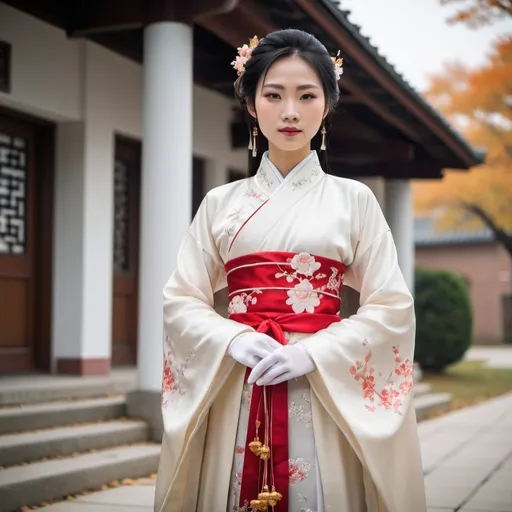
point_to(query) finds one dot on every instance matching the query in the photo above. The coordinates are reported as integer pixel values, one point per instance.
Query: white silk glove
(252, 347)
(285, 363)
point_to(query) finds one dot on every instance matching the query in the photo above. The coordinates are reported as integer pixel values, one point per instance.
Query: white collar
(292, 173)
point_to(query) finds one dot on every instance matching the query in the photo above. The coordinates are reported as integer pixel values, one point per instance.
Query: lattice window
(13, 194)
(121, 216)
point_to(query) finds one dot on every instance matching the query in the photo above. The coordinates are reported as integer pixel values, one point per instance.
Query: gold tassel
(255, 446)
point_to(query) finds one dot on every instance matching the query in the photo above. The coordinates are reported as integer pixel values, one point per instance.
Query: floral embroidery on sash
(240, 303)
(391, 395)
(298, 470)
(304, 296)
(172, 373)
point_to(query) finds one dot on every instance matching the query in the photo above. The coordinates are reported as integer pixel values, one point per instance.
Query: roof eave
(424, 110)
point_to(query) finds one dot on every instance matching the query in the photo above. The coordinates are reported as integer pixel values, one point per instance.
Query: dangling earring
(323, 131)
(254, 141)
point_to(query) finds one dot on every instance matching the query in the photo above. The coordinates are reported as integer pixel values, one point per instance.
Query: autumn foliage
(477, 13)
(478, 103)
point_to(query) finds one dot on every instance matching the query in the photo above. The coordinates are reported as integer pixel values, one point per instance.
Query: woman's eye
(272, 95)
(308, 96)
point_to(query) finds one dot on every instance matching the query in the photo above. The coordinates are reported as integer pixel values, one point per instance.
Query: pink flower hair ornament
(245, 52)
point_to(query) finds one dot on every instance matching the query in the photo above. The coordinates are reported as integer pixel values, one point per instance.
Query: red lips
(289, 129)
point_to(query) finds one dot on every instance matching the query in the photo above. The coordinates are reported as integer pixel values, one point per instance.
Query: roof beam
(403, 94)
(348, 99)
(86, 19)
(357, 150)
(105, 16)
(389, 170)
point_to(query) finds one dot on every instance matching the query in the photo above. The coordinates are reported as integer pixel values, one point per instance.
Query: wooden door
(18, 245)
(127, 166)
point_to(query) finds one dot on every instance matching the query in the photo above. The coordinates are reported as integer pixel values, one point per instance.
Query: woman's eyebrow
(299, 87)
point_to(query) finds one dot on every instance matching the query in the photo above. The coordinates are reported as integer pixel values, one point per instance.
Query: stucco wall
(487, 269)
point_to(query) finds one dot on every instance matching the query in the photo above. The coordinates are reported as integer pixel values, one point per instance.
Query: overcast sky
(413, 35)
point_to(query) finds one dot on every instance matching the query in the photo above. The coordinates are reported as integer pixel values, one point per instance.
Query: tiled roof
(342, 16)
(425, 234)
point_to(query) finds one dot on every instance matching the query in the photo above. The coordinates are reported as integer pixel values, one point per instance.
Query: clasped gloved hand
(252, 347)
(285, 363)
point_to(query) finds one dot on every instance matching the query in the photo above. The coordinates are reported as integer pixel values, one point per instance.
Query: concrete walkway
(495, 357)
(467, 460)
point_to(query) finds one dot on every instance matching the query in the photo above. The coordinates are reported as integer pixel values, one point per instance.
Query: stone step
(55, 479)
(35, 389)
(56, 414)
(53, 442)
(421, 388)
(431, 402)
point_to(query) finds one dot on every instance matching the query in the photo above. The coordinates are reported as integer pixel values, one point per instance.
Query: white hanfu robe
(363, 430)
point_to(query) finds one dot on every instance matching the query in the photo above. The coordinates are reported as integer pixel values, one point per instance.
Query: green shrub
(444, 320)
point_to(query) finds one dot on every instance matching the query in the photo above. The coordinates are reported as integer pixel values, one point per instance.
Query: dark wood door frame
(125, 283)
(44, 160)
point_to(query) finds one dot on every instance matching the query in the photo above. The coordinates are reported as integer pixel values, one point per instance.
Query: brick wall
(488, 269)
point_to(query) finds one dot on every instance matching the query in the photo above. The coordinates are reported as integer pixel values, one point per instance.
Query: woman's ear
(251, 110)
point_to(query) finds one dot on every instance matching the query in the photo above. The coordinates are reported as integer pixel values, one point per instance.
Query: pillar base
(78, 366)
(147, 406)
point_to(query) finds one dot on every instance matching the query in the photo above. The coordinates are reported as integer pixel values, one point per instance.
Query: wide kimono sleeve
(196, 338)
(364, 364)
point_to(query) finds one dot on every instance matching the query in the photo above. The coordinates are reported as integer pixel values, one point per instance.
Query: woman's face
(290, 104)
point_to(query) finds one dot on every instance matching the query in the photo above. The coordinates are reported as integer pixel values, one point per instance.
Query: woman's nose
(290, 115)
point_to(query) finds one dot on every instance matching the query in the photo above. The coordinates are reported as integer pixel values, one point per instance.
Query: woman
(282, 406)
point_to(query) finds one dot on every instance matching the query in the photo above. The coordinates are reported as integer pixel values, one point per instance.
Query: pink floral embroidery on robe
(391, 395)
(172, 373)
(298, 470)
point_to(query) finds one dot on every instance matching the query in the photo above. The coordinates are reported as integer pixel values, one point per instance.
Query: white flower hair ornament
(245, 52)
(338, 65)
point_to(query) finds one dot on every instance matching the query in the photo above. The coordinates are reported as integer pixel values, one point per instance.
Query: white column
(400, 216)
(166, 180)
(68, 275)
(377, 184)
(82, 314)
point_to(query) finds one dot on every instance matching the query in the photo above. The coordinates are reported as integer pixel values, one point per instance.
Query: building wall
(488, 270)
(92, 94)
(66, 80)
(46, 67)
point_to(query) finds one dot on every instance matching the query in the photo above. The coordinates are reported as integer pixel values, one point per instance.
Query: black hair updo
(277, 45)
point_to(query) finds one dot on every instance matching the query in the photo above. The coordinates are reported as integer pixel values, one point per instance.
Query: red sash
(278, 292)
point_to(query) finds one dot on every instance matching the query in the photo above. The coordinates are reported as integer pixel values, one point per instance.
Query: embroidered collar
(269, 179)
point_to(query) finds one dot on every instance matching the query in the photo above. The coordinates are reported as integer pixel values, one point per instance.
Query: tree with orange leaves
(477, 13)
(479, 104)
